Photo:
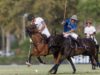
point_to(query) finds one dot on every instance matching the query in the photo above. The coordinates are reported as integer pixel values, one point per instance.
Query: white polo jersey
(39, 22)
(89, 30)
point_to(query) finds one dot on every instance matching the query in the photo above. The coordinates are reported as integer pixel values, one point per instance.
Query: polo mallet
(30, 48)
(28, 63)
(65, 10)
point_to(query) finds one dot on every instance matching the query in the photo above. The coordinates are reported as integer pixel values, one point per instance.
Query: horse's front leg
(93, 62)
(97, 60)
(58, 61)
(96, 57)
(29, 60)
(72, 64)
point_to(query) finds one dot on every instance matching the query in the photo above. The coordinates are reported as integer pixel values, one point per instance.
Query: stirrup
(28, 64)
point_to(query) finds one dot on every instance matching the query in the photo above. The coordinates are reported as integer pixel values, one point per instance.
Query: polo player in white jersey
(90, 31)
(40, 24)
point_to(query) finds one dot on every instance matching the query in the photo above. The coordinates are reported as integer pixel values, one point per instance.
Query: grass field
(82, 69)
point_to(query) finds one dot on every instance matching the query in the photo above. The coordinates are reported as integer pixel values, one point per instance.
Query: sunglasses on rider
(73, 19)
(88, 23)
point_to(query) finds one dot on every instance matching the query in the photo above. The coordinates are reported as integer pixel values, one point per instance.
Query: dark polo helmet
(30, 17)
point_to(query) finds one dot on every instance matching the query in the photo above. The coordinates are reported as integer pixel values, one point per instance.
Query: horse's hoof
(74, 72)
(44, 63)
(52, 72)
(28, 64)
(93, 68)
(99, 65)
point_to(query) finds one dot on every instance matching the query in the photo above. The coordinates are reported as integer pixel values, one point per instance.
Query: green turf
(82, 69)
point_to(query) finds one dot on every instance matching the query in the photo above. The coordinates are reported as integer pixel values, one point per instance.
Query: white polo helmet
(74, 17)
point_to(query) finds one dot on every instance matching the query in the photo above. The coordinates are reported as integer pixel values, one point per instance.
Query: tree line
(12, 12)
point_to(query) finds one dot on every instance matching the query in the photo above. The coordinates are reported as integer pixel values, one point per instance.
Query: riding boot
(97, 46)
(77, 41)
(45, 38)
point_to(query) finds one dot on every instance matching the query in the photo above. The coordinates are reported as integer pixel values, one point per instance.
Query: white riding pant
(74, 35)
(46, 32)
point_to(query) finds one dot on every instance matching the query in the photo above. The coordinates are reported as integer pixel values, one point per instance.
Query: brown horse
(67, 49)
(40, 46)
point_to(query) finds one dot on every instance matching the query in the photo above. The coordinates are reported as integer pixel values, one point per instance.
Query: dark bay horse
(40, 44)
(66, 48)
(40, 47)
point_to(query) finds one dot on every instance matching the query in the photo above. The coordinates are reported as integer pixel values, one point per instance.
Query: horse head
(31, 29)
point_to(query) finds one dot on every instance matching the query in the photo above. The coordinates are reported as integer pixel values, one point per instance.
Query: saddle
(77, 43)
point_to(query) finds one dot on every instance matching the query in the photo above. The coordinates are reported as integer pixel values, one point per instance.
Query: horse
(66, 48)
(40, 47)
